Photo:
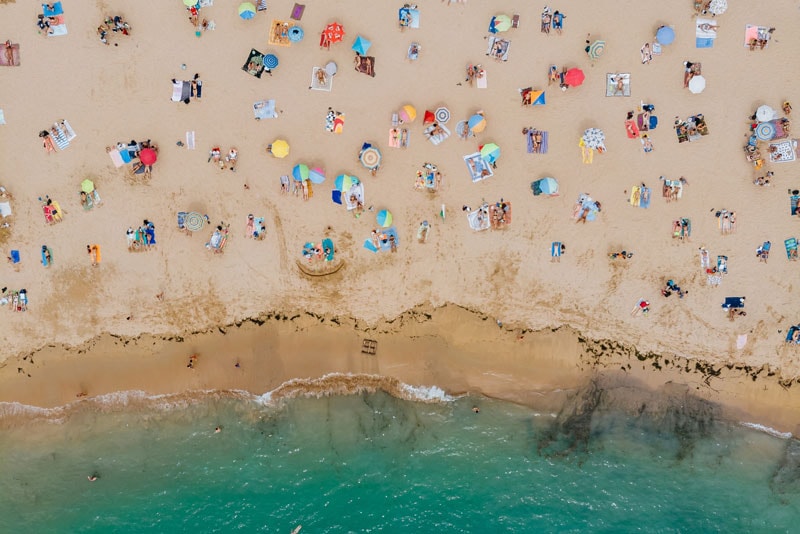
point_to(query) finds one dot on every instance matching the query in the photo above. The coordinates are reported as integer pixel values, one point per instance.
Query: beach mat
(784, 152)
(14, 55)
(611, 84)
(254, 64)
(543, 145)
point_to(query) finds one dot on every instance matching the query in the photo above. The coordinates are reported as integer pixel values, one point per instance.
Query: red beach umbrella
(148, 156)
(333, 32)
(429, 118)
(574, 77)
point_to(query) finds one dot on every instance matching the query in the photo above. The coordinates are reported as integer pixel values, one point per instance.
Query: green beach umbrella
(87, 186)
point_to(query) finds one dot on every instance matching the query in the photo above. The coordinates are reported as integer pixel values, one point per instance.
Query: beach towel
(321, 80)
(394, 137)
(443, 133)
(481, 82)
(177, 90)
(336, 196)
(186, 91)
(116, 157)
(675, 185)
(365, 65)
(68, 130)
(190, 142)
(791, 248)
(297, 10)
(498, 48)
(611, 84)
(385, 236)
(254, 64)
(479, 219)
(59, 137)
(59, 28)
(477, 167)
(632, 129)
(408, 17)
(354, 196)
(5, 209)
(57, 9)
(652, 122)
(531, 138)
(14, 55)
(500, 215)
(279, 33)
(705, 32)
(733, 303)
(264, 109)
(334, 121)
(794, 200)
(2, 117)
(532, 97)
(15, 258)
(722, 264)
(783, 152)
(753, 32)
(555, 249)
(640, 196)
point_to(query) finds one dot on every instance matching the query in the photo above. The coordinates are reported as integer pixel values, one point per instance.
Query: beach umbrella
(443, 114)
(718, 7)
(462, 129)
(477, 123)
(361, 45)
(189, 3)
(270, 61)
(500, 23)
(316, 175)
(370, 158)
(296, 34)
(148, 156)
(429, 118)
(490, 152)
(194, 221)
(593, 137)
(344, 182)
(665, 35)
(300, 172)
(87, 186)
(574, 77)
(384, 218)
(279, 148)
(545, 186)
(331, 68)
(765, 113)
(408, 113)
(596, 49)
(333, 32)
(247, 10)
(765, 131)
(697, 84)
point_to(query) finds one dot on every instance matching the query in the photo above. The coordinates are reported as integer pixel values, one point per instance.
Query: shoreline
(450, 347)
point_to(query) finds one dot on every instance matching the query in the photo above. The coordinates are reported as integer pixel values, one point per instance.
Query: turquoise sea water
(372, 462)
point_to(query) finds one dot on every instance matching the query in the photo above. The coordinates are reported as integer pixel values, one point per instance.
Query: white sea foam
(767, 430)
(427, 393)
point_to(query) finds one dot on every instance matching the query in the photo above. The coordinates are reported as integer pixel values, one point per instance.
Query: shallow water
(372, 462)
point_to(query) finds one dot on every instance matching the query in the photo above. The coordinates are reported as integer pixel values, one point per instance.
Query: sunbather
(647, 54)
(232, 158)
(547, 19)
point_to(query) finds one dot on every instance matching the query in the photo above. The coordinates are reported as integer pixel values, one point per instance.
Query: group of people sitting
(255, 228)
(143, 237)
(114, 24)
(90, 200)
(134, 148)
(52, 210)
(671, 287)
(554, 20)
(229, 161)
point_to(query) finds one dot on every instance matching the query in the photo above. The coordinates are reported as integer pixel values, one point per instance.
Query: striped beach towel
(59, 137)
(68, 130)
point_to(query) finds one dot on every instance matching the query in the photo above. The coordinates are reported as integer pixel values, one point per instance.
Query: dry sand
(112, 94)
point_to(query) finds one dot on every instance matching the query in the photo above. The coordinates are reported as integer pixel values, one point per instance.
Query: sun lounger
(612, 82)
(477, 167)
(439, 137)
(791, 248)
(264, 109)
(498, 48)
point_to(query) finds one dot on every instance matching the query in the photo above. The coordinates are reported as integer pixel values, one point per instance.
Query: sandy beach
(97, 329)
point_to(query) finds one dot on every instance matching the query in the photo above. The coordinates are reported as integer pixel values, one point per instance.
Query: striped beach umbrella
(490, 152)
(316, 175)
(596, 49)
(193, 221)
(270, 61)
(442, 115)
(765, 131)
(300, 172)
(477, 123)
(384, 218)
(408, 113)
(247, 10)
(370, 158)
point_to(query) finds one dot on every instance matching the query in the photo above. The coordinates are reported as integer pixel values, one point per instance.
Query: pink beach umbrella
(316, 175)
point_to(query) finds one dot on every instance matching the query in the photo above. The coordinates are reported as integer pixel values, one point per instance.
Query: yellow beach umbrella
(279, 148)
(408, 113)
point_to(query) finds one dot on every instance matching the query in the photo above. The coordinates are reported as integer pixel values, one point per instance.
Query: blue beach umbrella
(300, 172)
(270, 61)
(296, 34)
(316, 175)
(384, 218)
(545, 186)
(665, 35)
(247, 10)
(361, 45)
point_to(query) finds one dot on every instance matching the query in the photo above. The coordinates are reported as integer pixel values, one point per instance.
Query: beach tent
(361, 45)
(546, 186)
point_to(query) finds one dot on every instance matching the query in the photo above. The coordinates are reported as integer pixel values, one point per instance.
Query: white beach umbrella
(765, 113)
(718, 7)
(697, 84)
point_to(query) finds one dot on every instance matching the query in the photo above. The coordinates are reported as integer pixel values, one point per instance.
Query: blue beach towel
(57, 10)
(703, 42)
(15, 256)
(370, 246)
(336, 196)
(328, 244)
(555, 249)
